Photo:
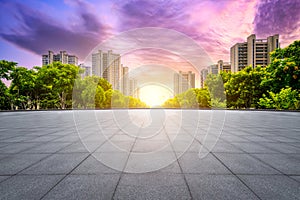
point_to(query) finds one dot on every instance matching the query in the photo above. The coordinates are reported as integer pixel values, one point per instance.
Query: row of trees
(192, 98)
(94, 92)
(276, 86)
(57, 86)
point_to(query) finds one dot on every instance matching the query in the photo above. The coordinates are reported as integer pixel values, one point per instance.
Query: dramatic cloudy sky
(30, 28)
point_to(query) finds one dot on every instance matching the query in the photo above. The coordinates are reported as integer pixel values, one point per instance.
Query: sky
(30, 28)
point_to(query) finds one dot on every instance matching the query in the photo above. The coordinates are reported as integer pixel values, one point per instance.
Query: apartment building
(107, 65)
(62, 57)
(183, 81)
(221, 66)
(254, 52)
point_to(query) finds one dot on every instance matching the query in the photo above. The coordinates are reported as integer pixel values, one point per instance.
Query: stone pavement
(150, 154)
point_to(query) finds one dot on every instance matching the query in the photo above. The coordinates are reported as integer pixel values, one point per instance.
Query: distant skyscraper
(97, 64)
(224, 66)
(72, 60)
(125, 80)
(183, 81)
(254, 52)
(221, 66)
(87, 70)
(133, 90)
(47, 58)
(62, 57)
(203, 75)
(108, 66)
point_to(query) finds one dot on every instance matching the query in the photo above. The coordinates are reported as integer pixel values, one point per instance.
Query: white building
(183, 81)
(62, 57)
(125, 80)
(108, 66)
(133, 90)
(87, 70)
(254, 52)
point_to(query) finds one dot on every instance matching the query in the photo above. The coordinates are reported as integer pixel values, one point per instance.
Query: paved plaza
(150, 154)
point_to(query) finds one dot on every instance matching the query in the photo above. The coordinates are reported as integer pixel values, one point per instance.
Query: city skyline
(78, 26)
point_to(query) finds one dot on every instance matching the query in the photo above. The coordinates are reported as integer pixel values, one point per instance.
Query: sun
(154, 95)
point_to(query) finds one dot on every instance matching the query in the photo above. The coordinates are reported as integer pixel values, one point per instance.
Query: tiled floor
(150, 154)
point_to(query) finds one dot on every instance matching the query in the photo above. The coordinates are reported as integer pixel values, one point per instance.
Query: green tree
(104, 84)
(243, 89)
(192, 98)
(284, 69)
(108, 95)
(99, 97)
(171, 103)
(203, 97)
(22, 87)
(215, 86)
(4, 97)
(135, 103)
(118, 100)
(84, 92)
(282, 73)
(282, 77)
(287, 98)
(58, 80)
(5, 69)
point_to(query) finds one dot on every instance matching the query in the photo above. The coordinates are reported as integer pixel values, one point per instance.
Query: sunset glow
(154, 95)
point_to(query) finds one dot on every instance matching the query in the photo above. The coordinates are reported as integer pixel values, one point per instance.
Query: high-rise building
(62, 57)
(203, 76)
(183, 81)
(224, 66)
(108, 66)
(133, 90)
(97, 64)
(87, 70)
(254, 52)
(72, 59)
(125, 80)
(221, 66)
(47, 58)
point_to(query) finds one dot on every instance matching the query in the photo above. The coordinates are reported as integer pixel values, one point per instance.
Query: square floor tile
(218, 187)
(27, 187)
(56, 164)
(192, 163)
(245, 164)
(152, 186)
(85, 187)
(17, 162)
(272, 187)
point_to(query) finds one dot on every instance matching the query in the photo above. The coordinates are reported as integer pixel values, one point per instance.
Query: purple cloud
(144, 13)
(39, 33)
(215, 25)
(279, 16)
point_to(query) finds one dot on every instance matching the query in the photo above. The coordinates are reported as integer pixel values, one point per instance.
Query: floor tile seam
(250, 189)
(70, 172)
(40, 144)
(180, 167)
(282, 173)
(53, 140)
(64, 176)
(126, 162)
(251, 155)
(40, 160)
(292, 177)
(257, 143)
